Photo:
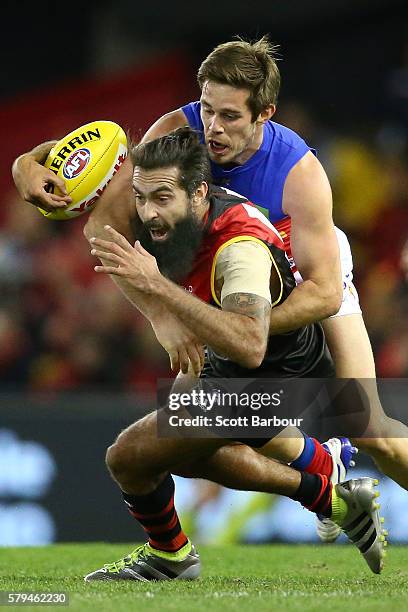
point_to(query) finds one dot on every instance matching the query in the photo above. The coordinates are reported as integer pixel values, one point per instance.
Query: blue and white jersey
(260, 179)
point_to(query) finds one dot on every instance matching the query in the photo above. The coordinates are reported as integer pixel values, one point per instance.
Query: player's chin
(222, 157)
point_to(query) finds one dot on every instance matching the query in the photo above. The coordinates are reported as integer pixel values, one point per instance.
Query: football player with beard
(230, 269)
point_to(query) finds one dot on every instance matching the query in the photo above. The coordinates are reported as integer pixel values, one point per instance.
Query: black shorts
(323, 369)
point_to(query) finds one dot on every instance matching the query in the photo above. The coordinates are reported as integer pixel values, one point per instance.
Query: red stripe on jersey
(284, 228)
(245, 219)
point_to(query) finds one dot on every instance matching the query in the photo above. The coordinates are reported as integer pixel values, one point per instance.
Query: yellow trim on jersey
(241, 239)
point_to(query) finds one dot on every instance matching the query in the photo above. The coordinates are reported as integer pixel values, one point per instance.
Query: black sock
(315, 493)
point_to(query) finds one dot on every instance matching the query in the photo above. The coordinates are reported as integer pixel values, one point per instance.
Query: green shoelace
(117, 566)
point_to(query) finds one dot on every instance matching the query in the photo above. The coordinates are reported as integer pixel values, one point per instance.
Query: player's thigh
(349, 346)
(142, 443)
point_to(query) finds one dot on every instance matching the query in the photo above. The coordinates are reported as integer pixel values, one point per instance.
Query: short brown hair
(250, 65)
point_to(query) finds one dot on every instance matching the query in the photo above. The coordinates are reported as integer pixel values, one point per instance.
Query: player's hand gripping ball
(86, 159)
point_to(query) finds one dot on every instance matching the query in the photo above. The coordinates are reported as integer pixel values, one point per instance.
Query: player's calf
(168, 554)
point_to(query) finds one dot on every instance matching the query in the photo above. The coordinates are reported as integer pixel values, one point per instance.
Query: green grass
(256, 578)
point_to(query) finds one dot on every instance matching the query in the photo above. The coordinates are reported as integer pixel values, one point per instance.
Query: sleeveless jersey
(232, 218)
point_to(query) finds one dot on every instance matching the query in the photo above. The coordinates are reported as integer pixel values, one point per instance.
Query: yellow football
(86, 159)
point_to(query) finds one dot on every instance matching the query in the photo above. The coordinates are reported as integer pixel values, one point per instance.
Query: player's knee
(378, 445)
(117, 460)
(123, 456)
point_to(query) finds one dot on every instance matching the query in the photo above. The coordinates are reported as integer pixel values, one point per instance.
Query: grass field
(268, 577)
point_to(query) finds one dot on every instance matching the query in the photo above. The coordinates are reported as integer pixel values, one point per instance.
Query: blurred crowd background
(344, 69)
(345, 91)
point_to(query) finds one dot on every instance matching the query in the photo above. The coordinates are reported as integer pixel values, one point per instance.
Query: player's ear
(201, 192)
(266, 114)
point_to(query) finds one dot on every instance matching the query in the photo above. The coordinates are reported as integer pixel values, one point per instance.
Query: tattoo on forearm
(248, 304)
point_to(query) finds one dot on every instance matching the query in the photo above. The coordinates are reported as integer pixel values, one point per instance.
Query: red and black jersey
(231, 218)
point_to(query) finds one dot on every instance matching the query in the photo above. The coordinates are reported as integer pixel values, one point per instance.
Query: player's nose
(150, 212)
(215, 126)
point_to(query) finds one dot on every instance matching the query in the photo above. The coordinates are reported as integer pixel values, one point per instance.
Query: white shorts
(350, 303)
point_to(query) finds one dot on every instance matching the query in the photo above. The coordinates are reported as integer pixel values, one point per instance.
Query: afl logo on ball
(76, 163)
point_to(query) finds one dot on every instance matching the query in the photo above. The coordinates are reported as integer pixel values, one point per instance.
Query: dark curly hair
(180, 149)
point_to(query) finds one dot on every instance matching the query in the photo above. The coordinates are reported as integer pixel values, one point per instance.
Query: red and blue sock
(314, 459)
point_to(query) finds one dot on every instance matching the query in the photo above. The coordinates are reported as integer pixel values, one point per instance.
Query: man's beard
(176, 254)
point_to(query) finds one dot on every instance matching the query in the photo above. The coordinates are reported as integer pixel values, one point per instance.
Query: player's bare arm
(182, 345)
(250, 305)
(32, 179)
(114, 206)
(116, 209)
(165, 124)
(307, 200)
(238, 331)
